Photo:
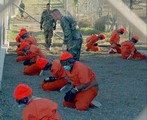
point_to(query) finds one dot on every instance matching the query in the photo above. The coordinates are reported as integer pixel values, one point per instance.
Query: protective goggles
(63, 62)
(25, 36)
(67, 62)
(133, 40)
(100, 37)
(22, 101)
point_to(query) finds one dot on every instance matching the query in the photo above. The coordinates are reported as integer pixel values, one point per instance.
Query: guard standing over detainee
(72, 35)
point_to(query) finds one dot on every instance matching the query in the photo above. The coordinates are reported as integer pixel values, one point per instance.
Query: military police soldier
(22, 7)
(48, 24)
(72, 36)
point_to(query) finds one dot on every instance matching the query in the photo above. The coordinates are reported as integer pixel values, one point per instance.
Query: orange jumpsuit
(90, 41)
(58, 72)
(31, 70)
(127, 47)
(41, 109)
(33, 54)
(81, 74)
(30, 40)
(19, 52)
(114, 40)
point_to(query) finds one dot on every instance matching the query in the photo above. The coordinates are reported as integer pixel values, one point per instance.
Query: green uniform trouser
(48, 37)
(74, 47)
(21, 14)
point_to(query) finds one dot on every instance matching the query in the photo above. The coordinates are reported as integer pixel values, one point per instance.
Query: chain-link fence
(95, 9)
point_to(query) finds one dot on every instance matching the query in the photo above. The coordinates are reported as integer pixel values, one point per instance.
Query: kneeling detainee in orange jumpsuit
(91, 42)
(85, 86)
(35, 108)
(24, 36)
(32, 52)
(129, 51)
(114, 41)
(57, 80)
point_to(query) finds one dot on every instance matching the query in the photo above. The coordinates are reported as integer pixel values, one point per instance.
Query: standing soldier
(22, 6)
(72, 35)
(48, 24)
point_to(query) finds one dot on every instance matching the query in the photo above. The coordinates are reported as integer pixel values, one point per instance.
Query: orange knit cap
(22, 91)
(23, 45)
(22, 33)
(65, 56)
(23, 29)
(122, 29)
(135, 37)
(41, 62)
(103, 36)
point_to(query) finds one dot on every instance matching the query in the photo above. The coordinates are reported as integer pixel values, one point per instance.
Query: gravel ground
(122, 83)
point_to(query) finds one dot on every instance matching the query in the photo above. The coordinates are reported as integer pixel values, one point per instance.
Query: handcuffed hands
(70, 95)
(95, 44)
(49, 79)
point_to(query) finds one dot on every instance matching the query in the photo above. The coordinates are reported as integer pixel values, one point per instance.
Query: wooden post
(130, 2)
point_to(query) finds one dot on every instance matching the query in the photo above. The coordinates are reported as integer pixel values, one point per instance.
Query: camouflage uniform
(72, 36)
(22, 6)
(48, 25)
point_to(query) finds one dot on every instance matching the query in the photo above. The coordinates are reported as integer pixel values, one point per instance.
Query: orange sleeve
(92, 39)
(57, 70)
(86, 75)
(40, 53)
(41, 109)
(31, 40)
(115, 38)
(132, 47)
(22, 58)
(82, 74)
(126, 48)
(35, 52)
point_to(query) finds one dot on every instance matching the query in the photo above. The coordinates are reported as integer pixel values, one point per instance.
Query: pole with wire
(130, 3)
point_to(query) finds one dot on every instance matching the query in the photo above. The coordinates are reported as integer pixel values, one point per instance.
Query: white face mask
(67, 67)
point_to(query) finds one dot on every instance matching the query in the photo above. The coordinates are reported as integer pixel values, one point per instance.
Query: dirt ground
(122, 83)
